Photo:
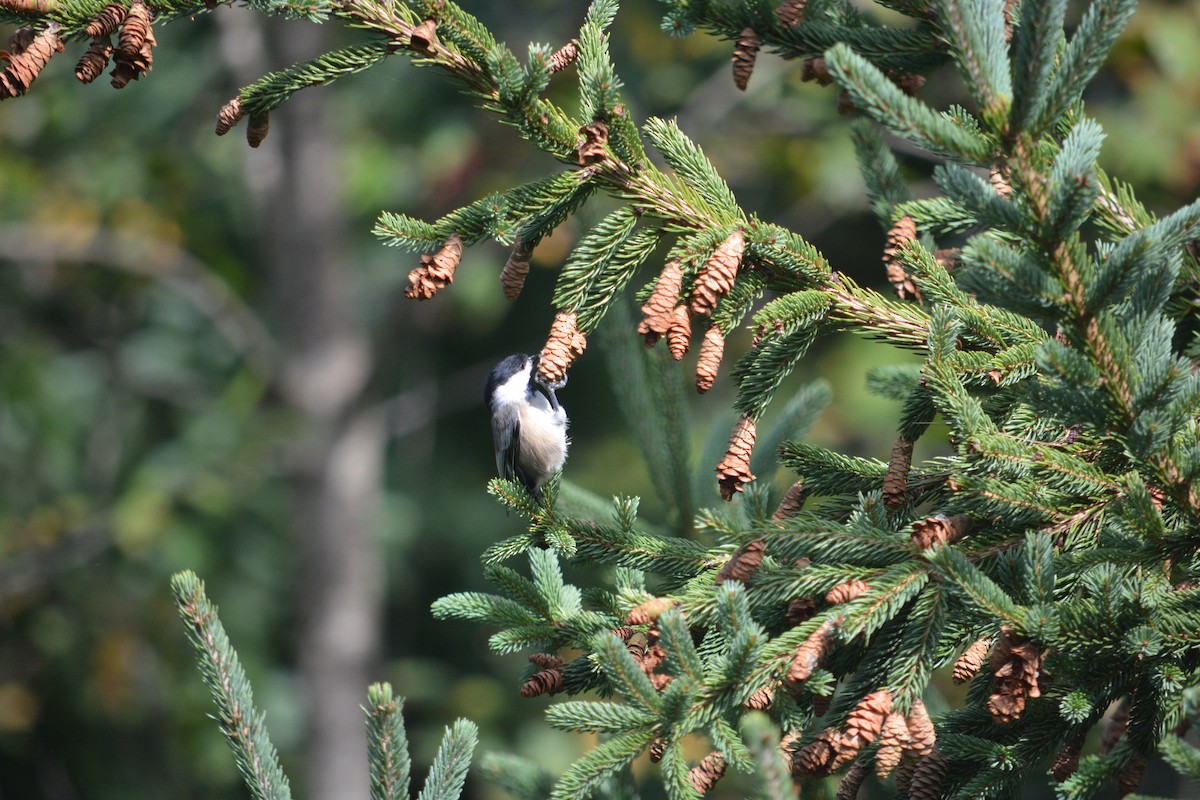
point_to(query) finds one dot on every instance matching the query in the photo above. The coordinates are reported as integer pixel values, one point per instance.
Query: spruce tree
(1050, 558)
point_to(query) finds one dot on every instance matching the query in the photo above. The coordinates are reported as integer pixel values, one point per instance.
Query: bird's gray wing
(506, 432)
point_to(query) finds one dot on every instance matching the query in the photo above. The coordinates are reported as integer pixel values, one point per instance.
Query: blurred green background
(206, 362)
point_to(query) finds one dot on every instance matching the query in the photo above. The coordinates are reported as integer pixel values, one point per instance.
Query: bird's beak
(546, 391)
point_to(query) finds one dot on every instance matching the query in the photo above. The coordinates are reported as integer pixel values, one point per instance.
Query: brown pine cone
(649, 611)
(545, 660)
(909, 82)
(1130, 776)
(134, 56)
(800, 609)
(592, 140)
(679, 333)
(657, 749)
(998, 177)
(866, 719)
(230, 114)
(940, 528)
(92, 63)
(845, 592)
(656, 313)
(793, 501)
(565, 343)
(709, 361)
(717, 276)
(762, 699)
(744, 54)
(424, 37)
(548, 681)
(1015, 663)
(565, 56)
(734, 470)
(436, 271)
(903, 774)
(24, 67)
(107, 20)
(816, 70)
(745, 561)
(921, 733)
(1066, 761)
(905, 230)
(895, 482)
(851, 782)
(893, 738)
(705, 775)
(790, 12)
(20, 40)
(928, 777)
(257, 128)
(809, 654)
(972, 659)
(1116, 726)
(947, 257)
(516, 269)
(817, 756)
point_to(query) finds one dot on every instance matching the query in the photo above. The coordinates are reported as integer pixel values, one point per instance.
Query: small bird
(528, 424)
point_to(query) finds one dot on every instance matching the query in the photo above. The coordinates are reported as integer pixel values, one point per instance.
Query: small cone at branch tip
(743, 563)
(107, 20)
(516, 270)
(709, 362)
(905, 230)
(717, 276)
(895, 482)
(436, 271)
(845, 592)
(1015, 665)
(816, 70)
(564, 345)
(24, 67)
(928, 777)
(649, 611)
(591, 148)
(792, 502)
(852, 781)
(657, 749)
(790, 12)
(733, 472)
(940, 528)
(809, 654)
(659, 308)
(745, 52)
(424, 36)
(922, 735)
(893, 739)
(230, 114)
(257, 128)
(704, 776)
(93, 61)
(548, 681)
(969, 663)
(20, 40)
(564, 57)
(545, 660)
(679, 333)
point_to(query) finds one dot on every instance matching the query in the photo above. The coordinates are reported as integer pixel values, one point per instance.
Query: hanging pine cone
(545, 660)
(436, 271)
(658, 749)
(649, 611)
(657, 312)
(20, 40)
(800, 609)
(565, 56)
(845, 592)
(866, 719)
(1116, 726)
(793, 501)
(743, 563)
(93, 61)
(1015, 663)
(928, 778)
(592, 140)
(816, 70)
(734, 470)
(903, 774)
(565, 343)
(679, 333)
(851, 782)
(745, 52)
(134, 56)
(717, 276)
(516, 269)
(24, 67)
(893, 739)
(790, 12)
(998, 177)
(1066, 761)
(905, 230)
(548, 681)
(940, 528)
(947, 257)
(809, 654)
(909, 82)
(709, 361)
(705, 775)
(230, 114)
(818, 756)
(895, 482)
(1130, 776)
(972, 659)
(257, 128)
(424, 37)
(107, 20)
(921, 733)
(762, 699)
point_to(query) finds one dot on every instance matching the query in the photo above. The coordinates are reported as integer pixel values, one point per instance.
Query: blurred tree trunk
(336, 466)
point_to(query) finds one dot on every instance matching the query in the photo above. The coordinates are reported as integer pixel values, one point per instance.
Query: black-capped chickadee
(528, 424)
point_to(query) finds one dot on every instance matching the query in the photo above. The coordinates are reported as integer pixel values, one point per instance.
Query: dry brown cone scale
(93, 61)
(893, 739)
(744, 562)
(895, 482)
(24, 67)
(547, 681)
(717, 276)
(679, 333)
(230, 114)
(709, 361)
(969, 663)
(436, 271)
(745, 52)
(658, 749)
(424, 36)
(733, 472)
(592, 140)
(928, 778)
(905, 230)
(516, 269)
(704, 776)
(107, 20)
(790, 12)
(134, 55)
(565, 343)
(656, 313)
(1015, 664)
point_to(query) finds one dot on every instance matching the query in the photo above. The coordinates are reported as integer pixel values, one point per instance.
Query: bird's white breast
(543, 439)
